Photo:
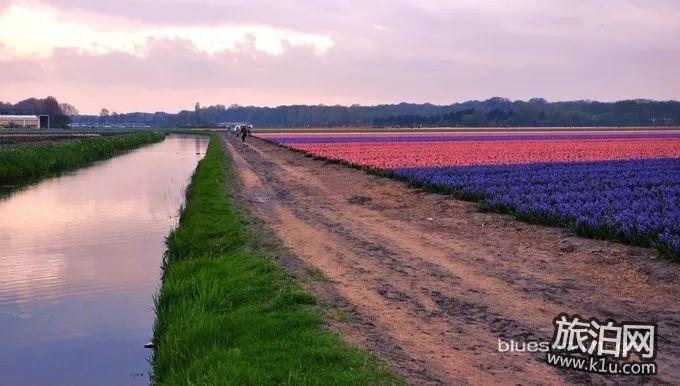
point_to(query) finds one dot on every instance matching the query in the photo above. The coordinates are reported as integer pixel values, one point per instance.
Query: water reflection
(79, 263)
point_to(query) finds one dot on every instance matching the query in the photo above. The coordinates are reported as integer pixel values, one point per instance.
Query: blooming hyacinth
(389, 155)
(621, 185)
(284, 139)
(632, 200)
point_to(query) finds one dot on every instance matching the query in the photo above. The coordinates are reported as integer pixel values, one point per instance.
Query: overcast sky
(167, 54)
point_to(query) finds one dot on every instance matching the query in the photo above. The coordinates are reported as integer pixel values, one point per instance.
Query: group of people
(241, 131)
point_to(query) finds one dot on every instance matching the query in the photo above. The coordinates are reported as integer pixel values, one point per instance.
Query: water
(80, 262)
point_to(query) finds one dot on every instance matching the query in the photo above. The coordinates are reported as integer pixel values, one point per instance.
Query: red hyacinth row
(388, 155)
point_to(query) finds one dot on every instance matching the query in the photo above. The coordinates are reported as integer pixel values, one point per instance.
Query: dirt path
(430, 284)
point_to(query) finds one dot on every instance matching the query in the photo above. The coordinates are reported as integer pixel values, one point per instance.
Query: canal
(80, 260)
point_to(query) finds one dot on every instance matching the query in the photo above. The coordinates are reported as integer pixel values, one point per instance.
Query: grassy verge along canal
(227, 314)
(29, 163)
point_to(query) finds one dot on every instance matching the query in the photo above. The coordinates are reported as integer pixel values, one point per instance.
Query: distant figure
(244, 133)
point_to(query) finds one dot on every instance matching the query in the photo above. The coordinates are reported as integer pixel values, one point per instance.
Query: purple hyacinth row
(456, 137)
(637, 201)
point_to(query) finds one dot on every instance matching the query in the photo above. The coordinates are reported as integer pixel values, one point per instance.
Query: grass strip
(29, 163)
(226, 314)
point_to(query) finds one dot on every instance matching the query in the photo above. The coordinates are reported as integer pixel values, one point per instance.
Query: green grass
(29, 163)
(226, 314)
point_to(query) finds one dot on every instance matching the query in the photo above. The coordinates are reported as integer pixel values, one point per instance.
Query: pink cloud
(424, 51)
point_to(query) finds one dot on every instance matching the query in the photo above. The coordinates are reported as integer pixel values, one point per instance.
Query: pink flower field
(388, 150)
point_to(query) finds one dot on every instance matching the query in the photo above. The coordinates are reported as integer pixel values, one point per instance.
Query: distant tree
(103, 115)
(50, 106)
(197, 114)
(538, 101)
(496, 116)
(68, 109)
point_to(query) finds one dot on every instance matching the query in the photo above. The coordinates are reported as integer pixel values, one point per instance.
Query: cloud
(160, 54)
(30, 28)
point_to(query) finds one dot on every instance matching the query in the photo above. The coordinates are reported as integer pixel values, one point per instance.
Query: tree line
(500, 112)
(538, 112)
(495, 111)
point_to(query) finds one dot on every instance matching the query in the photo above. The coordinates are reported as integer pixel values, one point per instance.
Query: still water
(80, 262)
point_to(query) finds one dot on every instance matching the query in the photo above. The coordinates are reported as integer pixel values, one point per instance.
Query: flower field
(622, 186)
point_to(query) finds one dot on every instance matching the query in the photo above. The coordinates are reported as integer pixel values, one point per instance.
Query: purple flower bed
(637, 201)
(457, 137)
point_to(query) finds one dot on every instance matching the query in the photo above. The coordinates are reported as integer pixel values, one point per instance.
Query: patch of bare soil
(431, 285)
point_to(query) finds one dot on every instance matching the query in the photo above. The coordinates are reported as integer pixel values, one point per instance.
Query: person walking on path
(244, 133)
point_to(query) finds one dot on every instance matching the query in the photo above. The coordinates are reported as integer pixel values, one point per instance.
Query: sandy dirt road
(431, 285)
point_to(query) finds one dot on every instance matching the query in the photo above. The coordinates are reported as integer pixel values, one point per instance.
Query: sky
(153, 55)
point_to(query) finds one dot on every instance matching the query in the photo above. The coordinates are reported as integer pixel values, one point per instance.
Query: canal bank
(226, 313)
(21, 165)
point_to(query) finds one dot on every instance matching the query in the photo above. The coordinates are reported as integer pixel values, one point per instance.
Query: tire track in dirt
(445, 282)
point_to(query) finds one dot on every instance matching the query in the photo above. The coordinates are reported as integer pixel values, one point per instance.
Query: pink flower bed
(388, 155)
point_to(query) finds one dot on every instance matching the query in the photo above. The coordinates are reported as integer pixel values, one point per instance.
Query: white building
(21, 120)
